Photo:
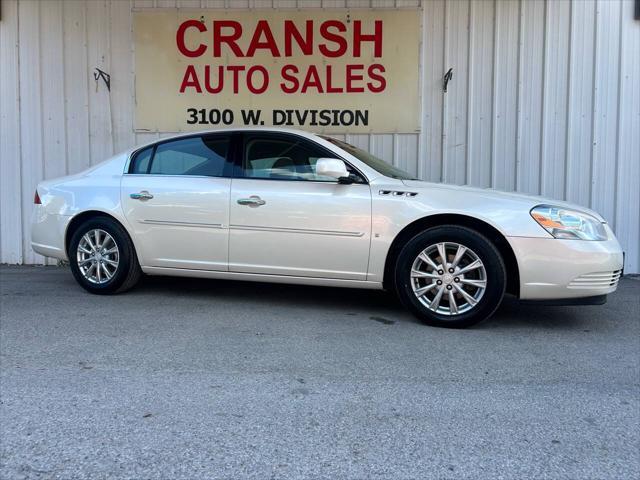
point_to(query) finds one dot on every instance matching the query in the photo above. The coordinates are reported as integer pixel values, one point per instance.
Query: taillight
(36, 199)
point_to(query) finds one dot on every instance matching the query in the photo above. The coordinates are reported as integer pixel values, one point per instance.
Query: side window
(201, 156)
(283, 158)
(204, 156)
(140, 163)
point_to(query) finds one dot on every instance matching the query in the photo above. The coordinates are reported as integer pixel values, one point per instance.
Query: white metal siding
(545, 99)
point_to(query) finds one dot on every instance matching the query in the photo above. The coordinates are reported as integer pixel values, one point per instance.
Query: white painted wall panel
(530, 94)
(31, 134)
(76, 85)
(54, 140)
(456, 55)
(580, 109)
(480, 104)
(545, 99)
(433, 66)
(605, 109)
(10, 160)
(505, 94)
(554, 108)
(627, 190)
(122, 97)
(405, 152)
(99, 37)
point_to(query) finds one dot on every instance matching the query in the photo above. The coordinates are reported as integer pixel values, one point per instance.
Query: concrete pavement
(184, 378)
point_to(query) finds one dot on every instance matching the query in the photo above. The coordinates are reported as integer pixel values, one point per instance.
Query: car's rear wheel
(102, 257)
(450, 276)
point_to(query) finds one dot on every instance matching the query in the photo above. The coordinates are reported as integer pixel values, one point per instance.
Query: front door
(286, 220)
(176, 200)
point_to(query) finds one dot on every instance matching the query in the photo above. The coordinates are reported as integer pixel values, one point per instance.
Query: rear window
(195, 156)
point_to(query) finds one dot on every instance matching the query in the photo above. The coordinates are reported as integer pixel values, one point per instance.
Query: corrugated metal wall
(545, 99)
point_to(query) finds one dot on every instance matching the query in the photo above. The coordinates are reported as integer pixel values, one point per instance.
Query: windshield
(372, 161)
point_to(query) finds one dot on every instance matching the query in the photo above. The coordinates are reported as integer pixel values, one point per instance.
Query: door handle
(253, 201)
(143, 195)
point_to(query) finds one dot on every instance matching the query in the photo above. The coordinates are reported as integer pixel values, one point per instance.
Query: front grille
(596, 280)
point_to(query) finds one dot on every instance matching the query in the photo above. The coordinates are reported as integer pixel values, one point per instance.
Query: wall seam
(594, 91)
(64, 102)
(518, 100)
(470, 72)
(132, 79)
(567, 136)
(21, 253)
(422, 139)
(543, 102)
(42, 122)
(614, 218)
(494, 65)
(109, 34)
(445, 104)
(88, 83)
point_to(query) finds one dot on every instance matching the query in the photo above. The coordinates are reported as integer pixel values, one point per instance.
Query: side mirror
(331, 167)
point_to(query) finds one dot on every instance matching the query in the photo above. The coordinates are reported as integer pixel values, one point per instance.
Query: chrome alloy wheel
(97, 256)
(448, 278)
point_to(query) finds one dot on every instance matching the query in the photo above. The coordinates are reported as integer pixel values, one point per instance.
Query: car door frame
(227, 173)
(238, 170)
(239, 174)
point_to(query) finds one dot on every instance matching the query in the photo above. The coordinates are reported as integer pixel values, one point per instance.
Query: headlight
(568, 224)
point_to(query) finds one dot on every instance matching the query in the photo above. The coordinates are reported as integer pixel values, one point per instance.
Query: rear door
(176, 200)
(286, 220)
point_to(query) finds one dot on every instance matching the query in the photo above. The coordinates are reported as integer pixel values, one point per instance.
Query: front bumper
(564, 269)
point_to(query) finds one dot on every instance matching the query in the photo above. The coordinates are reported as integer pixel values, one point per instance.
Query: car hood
(488, 194)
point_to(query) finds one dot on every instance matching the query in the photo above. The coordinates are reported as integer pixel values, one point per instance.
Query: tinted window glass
(283, 159)
(371, 160)
(191, 156)
(141, 161)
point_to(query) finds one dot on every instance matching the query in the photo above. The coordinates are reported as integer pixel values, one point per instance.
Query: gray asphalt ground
(206, 379)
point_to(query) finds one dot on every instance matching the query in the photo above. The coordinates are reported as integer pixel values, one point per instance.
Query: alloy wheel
(98, 256)
(448, 278)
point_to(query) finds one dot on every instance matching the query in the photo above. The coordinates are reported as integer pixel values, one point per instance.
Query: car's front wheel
(102, 257)
(450, 276)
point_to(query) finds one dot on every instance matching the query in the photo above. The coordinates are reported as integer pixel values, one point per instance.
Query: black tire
(127, 273)
(496, 276)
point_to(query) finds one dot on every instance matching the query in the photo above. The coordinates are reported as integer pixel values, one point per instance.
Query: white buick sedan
(276, 205)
